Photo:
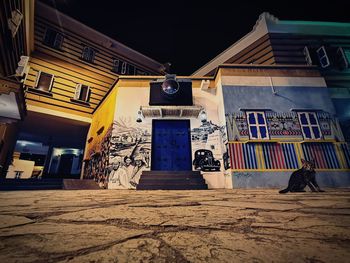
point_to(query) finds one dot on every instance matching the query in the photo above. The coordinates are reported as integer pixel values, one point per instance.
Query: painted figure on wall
(130, 148)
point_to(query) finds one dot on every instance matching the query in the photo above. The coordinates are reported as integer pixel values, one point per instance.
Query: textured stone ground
(174, 226)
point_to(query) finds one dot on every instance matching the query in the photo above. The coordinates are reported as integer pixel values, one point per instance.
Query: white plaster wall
(129, 100)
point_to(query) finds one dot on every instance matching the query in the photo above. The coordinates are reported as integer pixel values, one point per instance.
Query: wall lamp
(203, 115)
(140, 116)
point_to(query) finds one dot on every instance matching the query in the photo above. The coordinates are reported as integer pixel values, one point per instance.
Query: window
(116, 66)
(124, 66)
(88, 54)
(257, 125)
(309, 125)
(343, 57)
(82, 93)
(131, 70)
(322, 57)
(307, 55)
(44, 81)
(53, 39)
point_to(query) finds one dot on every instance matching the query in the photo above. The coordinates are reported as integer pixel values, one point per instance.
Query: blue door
(171, 145)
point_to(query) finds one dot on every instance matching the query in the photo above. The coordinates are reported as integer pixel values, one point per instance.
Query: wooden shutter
(88, 95)
(77, 92)
(37, 79)
(58, 40)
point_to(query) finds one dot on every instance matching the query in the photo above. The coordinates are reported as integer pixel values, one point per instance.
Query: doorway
(171, 145)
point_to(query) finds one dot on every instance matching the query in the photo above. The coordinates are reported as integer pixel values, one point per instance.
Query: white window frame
(38, 77)
(78, 91)
(257, 125)
(325, 56)
(309, 125)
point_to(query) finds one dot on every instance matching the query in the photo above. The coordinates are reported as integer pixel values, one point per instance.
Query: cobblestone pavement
(174, 226)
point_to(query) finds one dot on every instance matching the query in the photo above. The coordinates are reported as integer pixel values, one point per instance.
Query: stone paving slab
(257, 225)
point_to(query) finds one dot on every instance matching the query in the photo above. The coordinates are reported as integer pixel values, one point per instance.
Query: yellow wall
(103, 117)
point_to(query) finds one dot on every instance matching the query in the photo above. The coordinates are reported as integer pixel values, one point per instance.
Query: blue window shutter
(312, 118)
(316, 132)
(261, 118)
(303, 119)
(251, 118)
(263, 132)
(254, 131)
(307, 132)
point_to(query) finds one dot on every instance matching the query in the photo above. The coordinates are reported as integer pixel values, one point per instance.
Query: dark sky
(189, 33)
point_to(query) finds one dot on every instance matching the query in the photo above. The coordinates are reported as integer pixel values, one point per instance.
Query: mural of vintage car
(204, 161)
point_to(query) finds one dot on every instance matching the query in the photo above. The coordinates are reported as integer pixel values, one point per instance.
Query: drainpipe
(274, 92)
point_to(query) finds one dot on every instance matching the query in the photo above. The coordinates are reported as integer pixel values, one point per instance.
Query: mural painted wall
(96, 157)
(130, 142)
(299, 123)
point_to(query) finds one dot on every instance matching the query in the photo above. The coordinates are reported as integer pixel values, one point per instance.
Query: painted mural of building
(280, 42)
(249, 126)
(68, 69)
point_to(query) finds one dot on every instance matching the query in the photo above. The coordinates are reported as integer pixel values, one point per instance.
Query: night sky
(189, 33)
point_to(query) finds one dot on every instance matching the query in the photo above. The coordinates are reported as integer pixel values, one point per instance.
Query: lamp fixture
(203, 115)
(140, 116)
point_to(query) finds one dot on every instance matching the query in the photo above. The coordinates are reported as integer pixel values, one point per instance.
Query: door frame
(188, 139)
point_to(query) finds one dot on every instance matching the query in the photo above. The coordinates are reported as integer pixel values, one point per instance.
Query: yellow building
(68, 70)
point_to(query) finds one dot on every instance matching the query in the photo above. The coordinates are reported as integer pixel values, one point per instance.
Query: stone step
(171, 180)
(78, 184)
(30, 184)
(172, 187)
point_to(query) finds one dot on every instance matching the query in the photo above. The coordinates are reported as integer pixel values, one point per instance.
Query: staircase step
(172, 187)
(171, 180)
(172, 173)
(78, 184)
(30, 184)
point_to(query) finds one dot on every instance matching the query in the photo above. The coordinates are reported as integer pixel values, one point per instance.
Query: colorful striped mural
(287, 156)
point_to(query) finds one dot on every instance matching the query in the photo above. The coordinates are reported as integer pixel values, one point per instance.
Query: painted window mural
(257, 125)
(309, 125)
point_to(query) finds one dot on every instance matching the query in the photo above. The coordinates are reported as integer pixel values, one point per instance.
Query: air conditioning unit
(22, 66)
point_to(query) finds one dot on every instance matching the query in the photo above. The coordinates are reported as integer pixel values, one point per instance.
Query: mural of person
(128, 161)
(118, 177)
(137, 170)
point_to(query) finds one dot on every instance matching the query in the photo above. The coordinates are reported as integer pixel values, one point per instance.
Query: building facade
(68, 70)
(279, 42)
(96, 109)
(247, 126)
(16, 43)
